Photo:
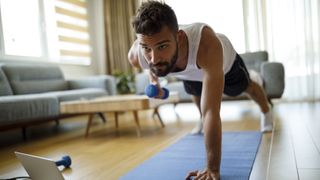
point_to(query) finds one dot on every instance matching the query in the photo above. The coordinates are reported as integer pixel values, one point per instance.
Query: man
(205, 61)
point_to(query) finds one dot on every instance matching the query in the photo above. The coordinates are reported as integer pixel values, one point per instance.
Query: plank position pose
(206, 62)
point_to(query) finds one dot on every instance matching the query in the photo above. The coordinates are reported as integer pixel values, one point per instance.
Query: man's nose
(155, 57)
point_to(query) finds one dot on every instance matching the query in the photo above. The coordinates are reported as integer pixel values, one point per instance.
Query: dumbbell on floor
(65, 161)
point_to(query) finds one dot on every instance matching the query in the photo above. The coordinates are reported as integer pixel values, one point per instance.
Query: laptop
(39, 168)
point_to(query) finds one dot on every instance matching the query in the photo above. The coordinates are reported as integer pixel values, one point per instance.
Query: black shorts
(236, 80)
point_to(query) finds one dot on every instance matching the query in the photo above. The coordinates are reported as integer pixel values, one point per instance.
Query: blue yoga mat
(173, 163)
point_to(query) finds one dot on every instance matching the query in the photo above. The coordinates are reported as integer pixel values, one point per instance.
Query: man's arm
(133, 56)
(210, 59)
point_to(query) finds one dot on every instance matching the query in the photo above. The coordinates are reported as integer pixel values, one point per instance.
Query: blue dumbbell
(153, 91)
(65, 161)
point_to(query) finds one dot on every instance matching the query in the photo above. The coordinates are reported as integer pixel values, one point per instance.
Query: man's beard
(164, 68)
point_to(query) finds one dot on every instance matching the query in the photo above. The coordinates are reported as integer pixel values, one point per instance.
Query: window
(56, 31)
(21, 27)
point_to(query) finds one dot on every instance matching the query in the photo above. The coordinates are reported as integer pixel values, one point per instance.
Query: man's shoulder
(207, 36)
(208, 47)
(192, 26)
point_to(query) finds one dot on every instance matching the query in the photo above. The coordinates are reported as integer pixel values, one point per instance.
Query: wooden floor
(292, 152)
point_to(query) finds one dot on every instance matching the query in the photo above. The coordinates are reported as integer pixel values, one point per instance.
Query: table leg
(136, 119)
(90, 118)
(175, 111)
(116, 120)
(101, 115)
(156, 111)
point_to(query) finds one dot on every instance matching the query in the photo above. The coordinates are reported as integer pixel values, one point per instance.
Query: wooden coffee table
(116, 104)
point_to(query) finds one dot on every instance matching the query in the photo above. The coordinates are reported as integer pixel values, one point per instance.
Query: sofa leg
(24, 133)
(102, 117)
(270, 102)
(57, 122)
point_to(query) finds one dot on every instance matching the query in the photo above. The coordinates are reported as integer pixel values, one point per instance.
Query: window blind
(72, 30)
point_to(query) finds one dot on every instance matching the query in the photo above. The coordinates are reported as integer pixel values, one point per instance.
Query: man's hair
(152, 16)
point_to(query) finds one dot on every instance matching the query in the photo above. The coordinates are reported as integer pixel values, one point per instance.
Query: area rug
(173, 163)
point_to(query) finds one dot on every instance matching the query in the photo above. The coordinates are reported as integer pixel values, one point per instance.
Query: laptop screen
(39, 168)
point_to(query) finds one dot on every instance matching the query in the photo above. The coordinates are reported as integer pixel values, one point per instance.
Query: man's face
(160, 50)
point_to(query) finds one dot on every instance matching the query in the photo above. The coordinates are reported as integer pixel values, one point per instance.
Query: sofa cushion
(21, 108)
(88, 93)
(106, 82)
(5, 89)
(253, 60)
(29, 79)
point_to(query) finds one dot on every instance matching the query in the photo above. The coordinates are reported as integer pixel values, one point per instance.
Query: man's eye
(146, 49)
(163, 46)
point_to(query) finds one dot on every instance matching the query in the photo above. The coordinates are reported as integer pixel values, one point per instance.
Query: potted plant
(125, 82)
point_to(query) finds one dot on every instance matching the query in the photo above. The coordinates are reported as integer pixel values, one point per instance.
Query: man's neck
(182, 54)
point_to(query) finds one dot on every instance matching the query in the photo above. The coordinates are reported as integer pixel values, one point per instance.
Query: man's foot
(198, 129)
(266, 123)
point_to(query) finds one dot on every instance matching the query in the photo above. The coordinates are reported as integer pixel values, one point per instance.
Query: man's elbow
(132, 58)
(212, 117)
(134, 61)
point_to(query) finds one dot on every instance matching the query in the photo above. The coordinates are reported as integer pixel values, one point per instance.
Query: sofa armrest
(274, 78)
(106, 82)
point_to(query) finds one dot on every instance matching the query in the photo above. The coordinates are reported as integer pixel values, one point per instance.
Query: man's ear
(180, 34)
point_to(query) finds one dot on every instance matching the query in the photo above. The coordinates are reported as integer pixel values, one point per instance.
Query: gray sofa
(32, 94)
(272, 74)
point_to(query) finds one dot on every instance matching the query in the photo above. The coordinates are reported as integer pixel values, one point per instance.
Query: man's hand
(203, 175)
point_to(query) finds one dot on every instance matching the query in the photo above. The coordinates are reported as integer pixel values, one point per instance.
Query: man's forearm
(213, 138)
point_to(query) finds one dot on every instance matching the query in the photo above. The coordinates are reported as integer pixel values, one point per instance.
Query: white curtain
(289, 31)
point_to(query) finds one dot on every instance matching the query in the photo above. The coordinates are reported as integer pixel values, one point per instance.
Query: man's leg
(194, 88)
(256, 93)
(199, 127)
(239, 80)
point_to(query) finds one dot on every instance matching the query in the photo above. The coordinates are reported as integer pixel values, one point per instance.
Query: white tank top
(192, 71)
